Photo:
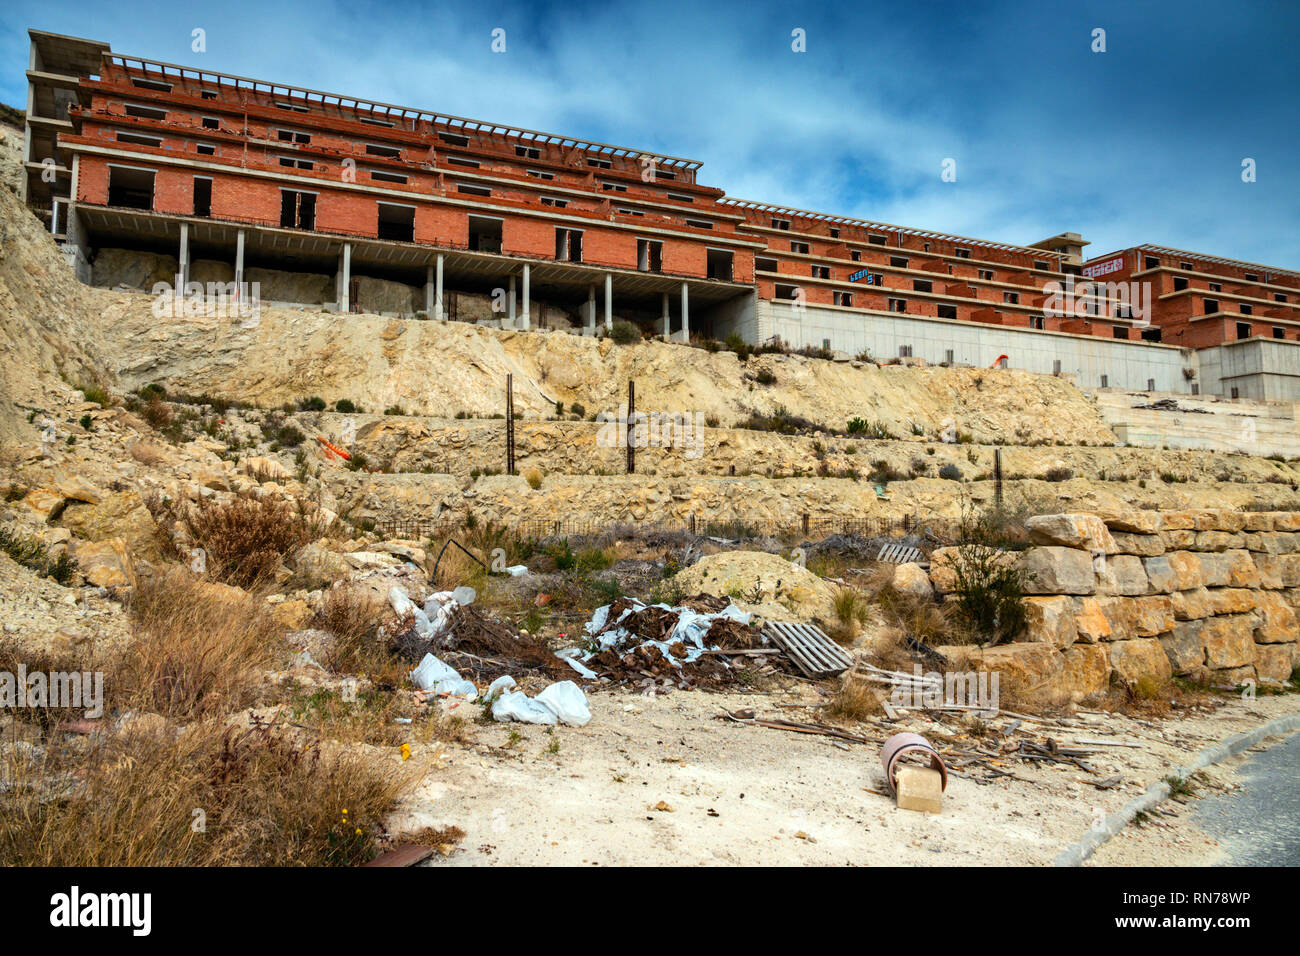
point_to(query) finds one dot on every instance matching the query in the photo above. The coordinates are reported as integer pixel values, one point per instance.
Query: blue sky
(1141, 143)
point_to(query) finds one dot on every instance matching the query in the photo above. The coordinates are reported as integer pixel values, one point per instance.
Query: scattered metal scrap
(812, 651)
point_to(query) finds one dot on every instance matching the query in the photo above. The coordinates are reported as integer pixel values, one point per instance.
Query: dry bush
(922, 619)
(265, 799)
(350, 617)
(197, 649)
(851, 610)
(246, 538)
(45, 661)
(147, 454)
(854, 700)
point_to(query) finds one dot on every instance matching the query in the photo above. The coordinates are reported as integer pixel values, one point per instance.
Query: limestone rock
(1071, 531)
(1137, 659)
(1058, 570)
(912, 579)
(107, 563)
(768, 576)
(1051, 620)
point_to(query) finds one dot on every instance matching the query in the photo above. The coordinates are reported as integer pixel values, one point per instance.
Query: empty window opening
(649, 255)
(297, 209)
(855, 255)
(613, 187)
(396, 222)
(206, 149)
(211, 122)
(292, 136)
(664, 174)
(539, 174)
(905, 351)
(1236, 393)
(1151, 335)
(786, 291)
(568, 245)
(721, 264)
(380, 176)
(897, 305)
(1151, 262)
(947, 312)
(145, 112)
(1216, 286)
(528, 152)
(961, 253)
(454, 139)
(202, 196)
(835, 233)
(473, 190)
(821, 272)
(132, 188)
(462, 161)
(801, 247)
(1251, 277)
(600, 163)
(844, 298)
(294, 163)
(1179, 283)
(389, 151)
(1119, 332)
(1105, 381)
(781, 224)
(876, 240)
(1279, 332)
(138, 140)
(484, 234)
(1151, 385)
(699, 223)
(1211, 306)
(557, 203)
(765, 265)
(1247, 309)
(286, 106)
(922, 285)
(1041, 265)
(1056, 366)
(1243, 330)
(679, 197)
(208, 94)
(1011, 298)
(374, 122)
(153, 85)
(898, 261)
(1037, 322)
(948, 356)
(1279, 296)
(1185, 265)
(985, 274)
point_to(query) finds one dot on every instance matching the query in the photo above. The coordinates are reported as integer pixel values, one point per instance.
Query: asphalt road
(1259, 825)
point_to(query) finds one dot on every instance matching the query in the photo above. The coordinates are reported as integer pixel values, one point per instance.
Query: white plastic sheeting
(690, 630)
(436, 677)
(562, 702)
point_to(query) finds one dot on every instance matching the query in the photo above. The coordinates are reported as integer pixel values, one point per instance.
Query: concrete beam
(345, 278)
(589, 323)
(183, 260)
(437, 295)
(667, 321)
(686, 315)
(239, 257)
(510, 302)
(428, 291)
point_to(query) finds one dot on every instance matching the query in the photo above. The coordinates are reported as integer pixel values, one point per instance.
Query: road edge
(1075, 854)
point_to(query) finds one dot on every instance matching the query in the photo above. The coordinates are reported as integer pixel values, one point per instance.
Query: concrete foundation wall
(1131, 365)
(1260, 369)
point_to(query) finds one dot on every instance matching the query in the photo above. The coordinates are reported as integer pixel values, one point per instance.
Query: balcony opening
(568, 245)
(396, 222)
(649, 255)
(1243, 330)
(721, 264)
(1211, 306)
(297, 209)
(202, 196)
(1279, 332)
(1179, 283)
(1150, 262)
(484, 234)
(130, 188)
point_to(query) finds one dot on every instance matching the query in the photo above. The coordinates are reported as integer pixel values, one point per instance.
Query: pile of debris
(697, 642)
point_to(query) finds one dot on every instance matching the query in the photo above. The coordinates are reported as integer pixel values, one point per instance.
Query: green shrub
(97, 395)
(394, 410)
(345, 405)
(289, 436)
(950, 472)
(624, 333)
(313, 404)
(765, 377)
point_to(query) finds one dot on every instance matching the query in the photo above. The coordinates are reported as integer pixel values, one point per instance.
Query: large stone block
(1227, 519)
(1028, 668)
(107, 563)
(1152, 615)
(1137, 659)
(1143, 545)
(1090, 622)
(1058, 570)
(1276, 621)
(1182, 539)
(1120, 574)
(1218, 541)
(1258, 521)
(1228, 641)
(1191, 605)
(1289, 567)
(1177, 521)
(1269, 568)
(1071, 531)
(944, 560)
(1086, 671)
(1121, 614)
(1232, 600)
(1286, 520)
(1174, 571)
(1051, 620)
(1214, 570)
(1242, 572)
(1131, 521)
(1273, 661)
(1185, 648)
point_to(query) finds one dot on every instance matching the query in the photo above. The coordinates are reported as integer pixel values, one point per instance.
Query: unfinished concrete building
(347, 204)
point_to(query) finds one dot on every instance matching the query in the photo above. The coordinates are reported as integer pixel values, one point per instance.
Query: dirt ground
(652, 781)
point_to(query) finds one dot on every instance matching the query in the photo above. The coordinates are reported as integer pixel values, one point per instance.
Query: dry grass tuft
(198, 649)
(195, 797)
(855, 700)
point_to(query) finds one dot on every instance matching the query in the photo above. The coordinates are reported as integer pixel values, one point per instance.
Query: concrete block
(919, 788)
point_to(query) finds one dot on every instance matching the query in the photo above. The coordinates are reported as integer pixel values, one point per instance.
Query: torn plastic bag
(516, 705)
(498, 687)
(433, 675)
(567, 701)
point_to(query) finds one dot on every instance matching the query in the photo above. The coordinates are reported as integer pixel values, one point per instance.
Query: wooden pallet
(808, 646)
(900, 554)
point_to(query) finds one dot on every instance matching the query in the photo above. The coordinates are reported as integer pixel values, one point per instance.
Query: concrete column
(609, 301)
(686, 316)
(528, 316)
(428, 291)
(183, 261)
(239, 257)
(667, 322)
(345, 277)
(510, 302)
(437, 292)
(589, 325)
